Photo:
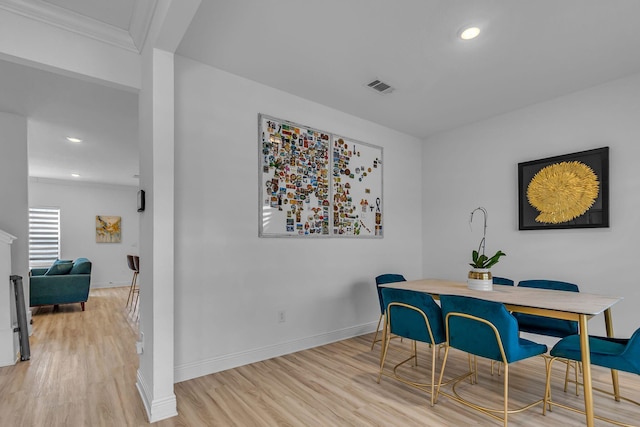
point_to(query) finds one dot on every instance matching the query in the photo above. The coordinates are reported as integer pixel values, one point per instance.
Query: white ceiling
(58, 106)
(326, 51)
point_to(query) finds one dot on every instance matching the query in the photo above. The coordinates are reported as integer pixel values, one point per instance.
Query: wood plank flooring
(83, 366)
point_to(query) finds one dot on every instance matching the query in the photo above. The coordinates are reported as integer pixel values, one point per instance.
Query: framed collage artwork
(316, 184)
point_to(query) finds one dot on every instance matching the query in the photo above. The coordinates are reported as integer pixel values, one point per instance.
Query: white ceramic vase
(480, 279)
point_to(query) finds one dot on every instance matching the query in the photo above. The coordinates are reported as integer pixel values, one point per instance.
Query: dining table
(574, 306)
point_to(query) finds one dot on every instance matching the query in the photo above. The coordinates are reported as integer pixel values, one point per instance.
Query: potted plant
(480, 276)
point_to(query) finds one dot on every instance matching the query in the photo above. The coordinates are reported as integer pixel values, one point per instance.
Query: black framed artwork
(567, 191)
(141, 201)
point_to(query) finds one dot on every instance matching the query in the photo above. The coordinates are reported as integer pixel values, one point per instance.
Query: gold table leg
(614, 374)
(586, 369)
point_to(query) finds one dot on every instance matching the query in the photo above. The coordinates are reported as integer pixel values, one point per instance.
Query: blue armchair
(65, 282)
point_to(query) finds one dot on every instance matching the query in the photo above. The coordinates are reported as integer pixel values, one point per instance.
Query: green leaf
(494, 259)
(482, 261)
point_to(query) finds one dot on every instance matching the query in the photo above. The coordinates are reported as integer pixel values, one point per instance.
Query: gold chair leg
(475, 369)
(547, 387)
(375, 337)
(506, 393)
(576, 366)
(493, 362)
(433, 372)
(444, 363)
(384, 347)
(566, 376)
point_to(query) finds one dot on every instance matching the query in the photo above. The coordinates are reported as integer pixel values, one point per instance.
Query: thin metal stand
(23, 328)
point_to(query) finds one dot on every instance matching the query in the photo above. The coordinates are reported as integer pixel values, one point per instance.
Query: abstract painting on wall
(567, 191)
(108, 229)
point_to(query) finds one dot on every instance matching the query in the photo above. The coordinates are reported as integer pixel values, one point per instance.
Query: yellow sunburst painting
(108, 229)
(563, 191)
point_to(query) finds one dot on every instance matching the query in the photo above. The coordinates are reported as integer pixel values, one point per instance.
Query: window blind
(44, 236)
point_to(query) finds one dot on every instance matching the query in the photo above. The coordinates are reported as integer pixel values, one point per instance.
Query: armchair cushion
(59, 267)
(81, 266)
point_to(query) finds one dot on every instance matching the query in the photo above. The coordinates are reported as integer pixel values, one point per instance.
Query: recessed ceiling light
(75, 175)
(72, 139)
(469, 33)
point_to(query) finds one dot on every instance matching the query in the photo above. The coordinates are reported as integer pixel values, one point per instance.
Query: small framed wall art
(108, 229)
(567, 191)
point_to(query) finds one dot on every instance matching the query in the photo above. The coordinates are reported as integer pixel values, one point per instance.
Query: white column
(156, 124)
(156, 279)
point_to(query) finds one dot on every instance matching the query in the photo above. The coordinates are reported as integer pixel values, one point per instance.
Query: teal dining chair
(546, 326)
(416, 316)
(541, 325)
(384, 279)
(502, 281)
(613, 353)
(485, 329)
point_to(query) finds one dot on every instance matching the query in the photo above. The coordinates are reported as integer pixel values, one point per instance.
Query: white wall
(79, 204)
(14, 214)
(230, 284)
(477, 166)
(13, 220)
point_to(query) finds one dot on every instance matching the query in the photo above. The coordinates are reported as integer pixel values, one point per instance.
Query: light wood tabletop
(520, 299)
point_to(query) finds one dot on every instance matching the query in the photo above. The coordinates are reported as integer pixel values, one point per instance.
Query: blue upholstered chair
(612, 353)
(544, 325)
(486, 329)
(384, 279)
(416, 316)
(540, 325)
(502, 281)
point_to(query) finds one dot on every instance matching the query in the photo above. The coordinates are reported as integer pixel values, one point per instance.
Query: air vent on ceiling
(380, 87)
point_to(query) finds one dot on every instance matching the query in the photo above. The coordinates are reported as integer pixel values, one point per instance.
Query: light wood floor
(83, 368)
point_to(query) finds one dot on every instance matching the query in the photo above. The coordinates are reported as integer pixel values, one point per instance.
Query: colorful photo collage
(303, 194)
(357, 188)
(295, 179)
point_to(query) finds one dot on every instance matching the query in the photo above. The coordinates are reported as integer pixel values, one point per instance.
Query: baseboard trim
(7, 347)
(217, 364)
(157, 409)
(109, 284)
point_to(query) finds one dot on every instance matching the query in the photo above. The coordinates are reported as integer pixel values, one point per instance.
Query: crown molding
(86, 26)
(75, 183)
(141, 21)
(6, 237)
